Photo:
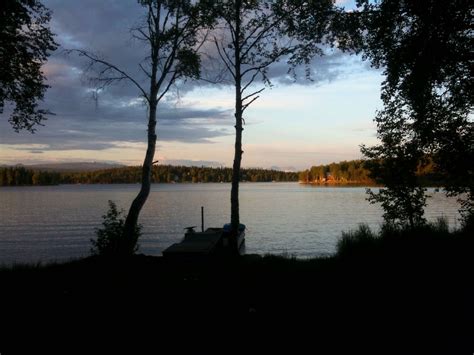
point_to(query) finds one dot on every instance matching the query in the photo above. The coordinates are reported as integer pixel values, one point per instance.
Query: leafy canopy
(25, 44)
(425, 50)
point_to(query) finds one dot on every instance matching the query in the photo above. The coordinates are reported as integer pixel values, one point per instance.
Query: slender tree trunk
(234, 194)
(139, 201)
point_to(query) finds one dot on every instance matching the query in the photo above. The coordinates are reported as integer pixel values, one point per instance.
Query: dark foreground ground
(408, 296)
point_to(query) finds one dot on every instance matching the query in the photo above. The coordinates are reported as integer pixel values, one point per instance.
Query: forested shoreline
(343, 172)
(22, 176)
(358, 172)
(354, 172)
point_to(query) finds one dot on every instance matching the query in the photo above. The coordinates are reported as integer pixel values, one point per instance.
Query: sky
(292, 126)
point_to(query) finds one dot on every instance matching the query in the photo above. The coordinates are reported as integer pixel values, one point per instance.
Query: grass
(406, 290)
(364, 240)
(433, 242)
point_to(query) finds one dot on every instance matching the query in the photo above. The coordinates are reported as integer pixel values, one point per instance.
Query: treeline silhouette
(345, 172)
(358, 172)
(20, 176)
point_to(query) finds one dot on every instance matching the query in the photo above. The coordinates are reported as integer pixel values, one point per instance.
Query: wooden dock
(196, 245)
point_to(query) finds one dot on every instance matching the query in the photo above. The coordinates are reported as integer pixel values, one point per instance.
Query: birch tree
(170, 33)
(251, 36)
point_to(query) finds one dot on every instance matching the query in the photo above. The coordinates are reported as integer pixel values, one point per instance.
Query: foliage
(110, 238)
(367, 172)
(311, 25)
(360, 239)
(257, 34)
(401, 204)
(17, 176)
(395, 165)
(25, 44)
(393, 239)
(424, 49)
(353, 171)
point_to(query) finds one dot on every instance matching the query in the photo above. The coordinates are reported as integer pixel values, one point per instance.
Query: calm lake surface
(47, 223)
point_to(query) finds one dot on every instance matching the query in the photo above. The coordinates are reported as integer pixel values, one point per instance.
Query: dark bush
(110, 238)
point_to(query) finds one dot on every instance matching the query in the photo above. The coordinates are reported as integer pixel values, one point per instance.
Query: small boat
(212, 241)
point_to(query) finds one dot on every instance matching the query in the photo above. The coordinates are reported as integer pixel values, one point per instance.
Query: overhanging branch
(94, 60)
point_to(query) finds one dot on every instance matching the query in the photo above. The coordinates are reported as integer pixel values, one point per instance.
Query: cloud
(117, 117)
(103, 27)
(81, 123)
(82, 131)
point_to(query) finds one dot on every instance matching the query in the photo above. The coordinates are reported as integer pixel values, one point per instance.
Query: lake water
(46, 223)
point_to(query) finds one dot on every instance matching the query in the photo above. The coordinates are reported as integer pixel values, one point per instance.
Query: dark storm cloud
(102, 128)
(117, 115)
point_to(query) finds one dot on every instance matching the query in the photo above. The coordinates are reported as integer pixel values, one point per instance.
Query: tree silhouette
(425, 49)
(25, 44)
(170, 33)
(251, 36)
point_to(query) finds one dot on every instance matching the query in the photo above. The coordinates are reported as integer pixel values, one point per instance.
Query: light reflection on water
(56, 222)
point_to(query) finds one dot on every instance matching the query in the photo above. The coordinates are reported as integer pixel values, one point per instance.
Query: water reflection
(55, 223)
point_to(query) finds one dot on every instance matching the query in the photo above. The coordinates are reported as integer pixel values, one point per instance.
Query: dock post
(202, 218)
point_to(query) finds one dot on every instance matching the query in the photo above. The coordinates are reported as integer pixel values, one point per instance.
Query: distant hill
(73, 167)
(288, 169)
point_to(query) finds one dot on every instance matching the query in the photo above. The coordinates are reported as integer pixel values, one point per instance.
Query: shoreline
(337, 183)
(155, 183)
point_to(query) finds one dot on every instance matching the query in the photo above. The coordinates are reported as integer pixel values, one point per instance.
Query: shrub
(110, 238)
(467, 225)
(360, 239)
(396, 239)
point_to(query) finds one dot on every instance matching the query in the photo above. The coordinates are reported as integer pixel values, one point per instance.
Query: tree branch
(223, 58)
(244, 107)
(144, 70)
(252, 94)
(94, 59)
(250, 81)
